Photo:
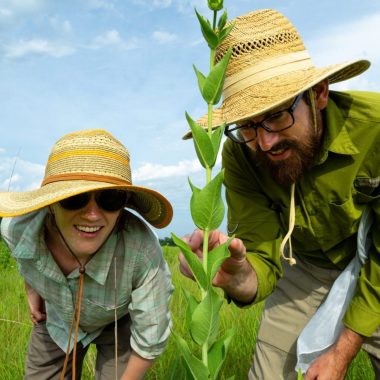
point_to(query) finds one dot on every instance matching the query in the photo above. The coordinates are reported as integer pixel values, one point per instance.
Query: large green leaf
(205, 321)
(218, 352)
(192, 304)
(178, 370)
(193, 261)
(203, 144)
(216, 138)
(207, 31)
(201, 79)
(206, 205)
(216, 257)
(196, 367)
(213, 85)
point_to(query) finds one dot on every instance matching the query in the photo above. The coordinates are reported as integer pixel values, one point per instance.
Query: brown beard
(302, 158)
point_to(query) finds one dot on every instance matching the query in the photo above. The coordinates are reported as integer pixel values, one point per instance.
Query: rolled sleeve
(363, 314)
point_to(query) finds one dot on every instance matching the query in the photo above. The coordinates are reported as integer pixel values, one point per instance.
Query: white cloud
(22, 175)
(22, 5)
(357, 39)
(61, 26)
(149, 171)
(23, 48)
(164, 37)
(162, 3)
(5, 13)
(101, 4)
(113, 38)
(154, 4)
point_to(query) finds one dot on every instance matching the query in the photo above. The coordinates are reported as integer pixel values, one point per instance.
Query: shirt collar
(336, 136)
(32, 242)
(99, 266)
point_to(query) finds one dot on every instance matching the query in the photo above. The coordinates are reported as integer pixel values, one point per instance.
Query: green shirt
(330, 199)
(143, 285)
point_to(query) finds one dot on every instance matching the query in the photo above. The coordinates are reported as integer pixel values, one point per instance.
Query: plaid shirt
(142, 278)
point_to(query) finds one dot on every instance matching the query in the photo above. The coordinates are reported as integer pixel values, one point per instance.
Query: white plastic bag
(325, 326)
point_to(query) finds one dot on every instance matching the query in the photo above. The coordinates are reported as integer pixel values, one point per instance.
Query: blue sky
(126, 66)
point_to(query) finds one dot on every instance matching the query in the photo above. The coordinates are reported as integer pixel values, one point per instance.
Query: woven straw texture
(269, 66)
(87, 161)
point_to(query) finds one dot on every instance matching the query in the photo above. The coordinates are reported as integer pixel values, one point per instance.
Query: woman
(94, 272)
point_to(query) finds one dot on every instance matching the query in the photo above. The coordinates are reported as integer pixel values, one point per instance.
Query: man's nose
(266, 140)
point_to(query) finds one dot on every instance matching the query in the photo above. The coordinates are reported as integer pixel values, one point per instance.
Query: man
(301, 165)
(94, 272)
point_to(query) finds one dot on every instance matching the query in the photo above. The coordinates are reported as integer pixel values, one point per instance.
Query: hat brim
(264, 96)
(151, 205)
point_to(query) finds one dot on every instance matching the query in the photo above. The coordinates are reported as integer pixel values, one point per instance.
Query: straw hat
(269, 66)
(86, 161)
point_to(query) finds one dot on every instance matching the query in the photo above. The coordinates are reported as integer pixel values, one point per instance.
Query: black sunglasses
(110, 200)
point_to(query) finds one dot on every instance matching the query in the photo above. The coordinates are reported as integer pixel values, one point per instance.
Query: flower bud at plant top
(215, 5)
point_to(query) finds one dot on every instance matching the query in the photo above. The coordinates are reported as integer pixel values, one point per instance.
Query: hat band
(265, 70)
(85, 176)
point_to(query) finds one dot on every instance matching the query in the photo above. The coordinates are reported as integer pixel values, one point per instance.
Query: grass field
(15, 328)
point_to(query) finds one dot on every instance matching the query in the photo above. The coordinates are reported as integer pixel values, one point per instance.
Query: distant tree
(167, 241)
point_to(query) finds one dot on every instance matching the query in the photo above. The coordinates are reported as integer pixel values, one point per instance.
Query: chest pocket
(366, 189)
(95, 315)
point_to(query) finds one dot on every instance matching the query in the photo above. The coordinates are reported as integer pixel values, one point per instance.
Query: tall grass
(15, 328)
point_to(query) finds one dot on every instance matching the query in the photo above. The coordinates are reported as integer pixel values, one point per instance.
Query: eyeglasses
(274, 123)
(110, 200)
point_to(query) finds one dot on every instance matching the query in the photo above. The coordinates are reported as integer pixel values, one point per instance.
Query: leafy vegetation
(15, 328)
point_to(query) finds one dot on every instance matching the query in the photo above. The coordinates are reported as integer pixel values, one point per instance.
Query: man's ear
(321, 91)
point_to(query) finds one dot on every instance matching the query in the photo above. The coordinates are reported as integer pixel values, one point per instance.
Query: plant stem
(208, 179)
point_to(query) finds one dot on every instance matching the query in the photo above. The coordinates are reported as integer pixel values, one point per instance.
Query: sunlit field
(15, 328)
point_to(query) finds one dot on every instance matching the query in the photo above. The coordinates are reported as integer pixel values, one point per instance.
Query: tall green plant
(207, 211)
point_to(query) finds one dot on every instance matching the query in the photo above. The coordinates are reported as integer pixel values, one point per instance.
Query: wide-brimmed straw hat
(269, 66)
(87, 161)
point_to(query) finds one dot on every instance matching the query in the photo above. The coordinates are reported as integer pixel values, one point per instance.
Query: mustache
(284, 144)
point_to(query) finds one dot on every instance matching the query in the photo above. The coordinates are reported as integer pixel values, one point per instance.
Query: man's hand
(36, 305)
(236, 276)
(333, 364)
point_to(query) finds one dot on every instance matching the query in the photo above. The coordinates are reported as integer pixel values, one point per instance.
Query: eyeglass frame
(260, 124)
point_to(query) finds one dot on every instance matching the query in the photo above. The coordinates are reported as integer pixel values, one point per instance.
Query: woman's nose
(91, 210)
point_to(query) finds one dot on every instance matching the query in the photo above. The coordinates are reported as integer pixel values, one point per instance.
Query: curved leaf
(193, 261)
(218, 352)
(203, 144)
(196, 367)
(206, 205)
(207, 31)
(222, 21)
(205, 321)
(224, 33)
(213, 86)
(192, 304)
(216, 138)
(201, 79)
(216, 257)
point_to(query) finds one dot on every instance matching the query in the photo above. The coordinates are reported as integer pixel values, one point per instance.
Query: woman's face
(84, 229)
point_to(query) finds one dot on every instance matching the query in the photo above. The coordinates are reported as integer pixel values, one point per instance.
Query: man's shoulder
(360, 105)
